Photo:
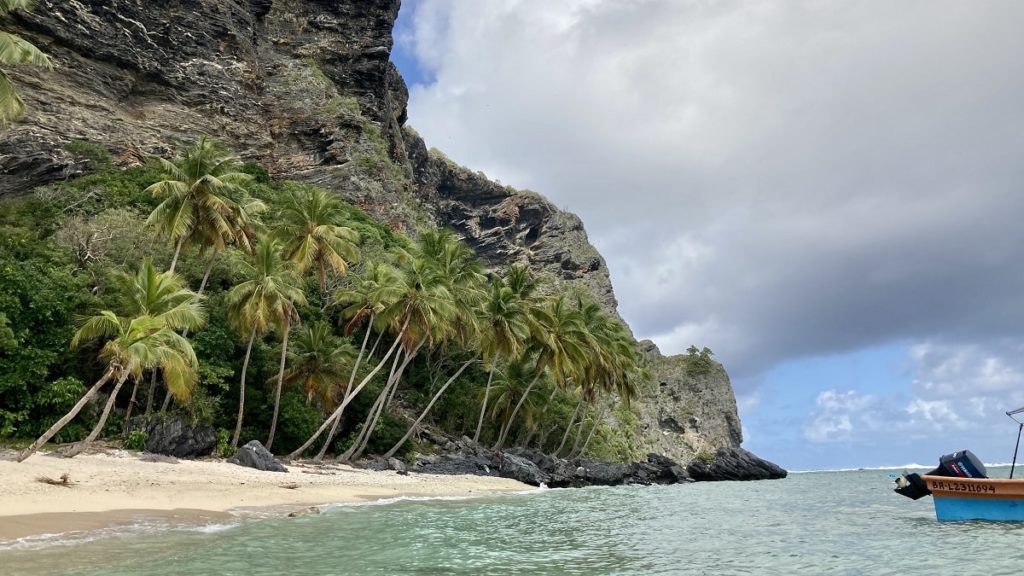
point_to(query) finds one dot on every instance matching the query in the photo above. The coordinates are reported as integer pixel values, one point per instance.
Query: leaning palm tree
(375, 292)
(313, 232)
(149, 292)
(132, 345)
(558, 345)
(506, 319)
(264, 299)
(16, 50)
(200, 191)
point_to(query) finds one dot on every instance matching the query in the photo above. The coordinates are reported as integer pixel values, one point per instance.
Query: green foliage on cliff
(63, 248)
(15, 50)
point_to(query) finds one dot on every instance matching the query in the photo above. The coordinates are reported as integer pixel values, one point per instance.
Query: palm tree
(319, 359)
(152, 293)
(506, 315)
(263, 300)
(201, 191)
(450, 316)
(132, 345)
(378, 290)
(16, 50)
(558, 344)
(314, 235)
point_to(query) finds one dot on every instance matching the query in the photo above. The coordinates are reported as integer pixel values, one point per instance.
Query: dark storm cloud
(774, 179)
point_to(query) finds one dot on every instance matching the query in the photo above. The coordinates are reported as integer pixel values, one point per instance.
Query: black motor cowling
(962, 464)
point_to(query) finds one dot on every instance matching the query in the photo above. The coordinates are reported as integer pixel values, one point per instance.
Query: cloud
(959, 390)
(772, 180)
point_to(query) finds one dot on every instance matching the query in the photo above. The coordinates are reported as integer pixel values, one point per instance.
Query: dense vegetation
(311, 327)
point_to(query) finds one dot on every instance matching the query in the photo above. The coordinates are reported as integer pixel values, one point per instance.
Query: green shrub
(136, 440)
(224, 448)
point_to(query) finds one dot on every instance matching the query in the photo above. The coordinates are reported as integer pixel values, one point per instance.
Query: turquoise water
(812, 523)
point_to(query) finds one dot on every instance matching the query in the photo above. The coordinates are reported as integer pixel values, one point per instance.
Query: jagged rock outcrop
(734, 464)
(688, 408)
(306, 88)
(175, 436)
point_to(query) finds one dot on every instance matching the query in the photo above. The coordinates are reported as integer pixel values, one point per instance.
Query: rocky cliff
(306, 88)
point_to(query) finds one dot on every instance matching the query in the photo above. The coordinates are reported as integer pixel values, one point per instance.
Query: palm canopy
(313, 233)
(560, 341)
(267, 296)
(452, 266)
(613, 363)
(15, 50)
(319, 362)
(377, 290)
(204, 198)
(507, 326)
(135, 344)
(150, 292)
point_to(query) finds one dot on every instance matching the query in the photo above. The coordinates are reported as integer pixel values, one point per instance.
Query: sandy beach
(118, 486)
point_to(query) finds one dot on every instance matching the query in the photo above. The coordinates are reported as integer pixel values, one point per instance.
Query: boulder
(175, 436)
(521, 469)
(601, 473)
(254, 455)
(734, 464)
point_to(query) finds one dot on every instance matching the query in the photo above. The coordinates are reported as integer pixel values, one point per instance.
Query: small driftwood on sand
(65, 480)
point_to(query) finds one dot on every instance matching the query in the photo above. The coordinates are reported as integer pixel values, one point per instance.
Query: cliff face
(688, 409)
(306, 88)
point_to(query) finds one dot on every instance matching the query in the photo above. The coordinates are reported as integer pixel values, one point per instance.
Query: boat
(962, 491)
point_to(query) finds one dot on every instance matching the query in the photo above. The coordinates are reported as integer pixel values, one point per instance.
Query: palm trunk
(589, 438)
(60, 424)
(206, 275)
(280, 382)
(483, 407)
(152, 392)
(372, 414)
(412, 428)
(511, 419)
(167, 401)
(77, 449)
(356, 449)
(338, 411)
(393, 381)
(568, 427)
(351, 379)
(177, 251)
(131, 405)
(579, 436)
(241, 390)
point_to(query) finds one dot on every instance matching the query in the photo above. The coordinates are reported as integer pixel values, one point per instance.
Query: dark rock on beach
(734, 464)
(254, 455)
(175, 436)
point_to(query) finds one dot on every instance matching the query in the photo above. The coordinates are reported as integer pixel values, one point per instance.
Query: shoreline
(118, 488)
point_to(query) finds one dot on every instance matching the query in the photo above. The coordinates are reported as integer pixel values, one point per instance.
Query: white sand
(119, 482)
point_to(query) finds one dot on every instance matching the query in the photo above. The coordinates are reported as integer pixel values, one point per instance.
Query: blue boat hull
(962, 509)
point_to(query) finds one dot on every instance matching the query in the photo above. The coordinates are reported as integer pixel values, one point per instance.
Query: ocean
(846, 522)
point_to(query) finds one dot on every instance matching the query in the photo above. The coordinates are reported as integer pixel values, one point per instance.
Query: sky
(829, 195)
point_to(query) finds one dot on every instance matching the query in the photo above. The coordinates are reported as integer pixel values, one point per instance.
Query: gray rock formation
(254, 455)
(175, 436)
(734, 464)
(688, 408)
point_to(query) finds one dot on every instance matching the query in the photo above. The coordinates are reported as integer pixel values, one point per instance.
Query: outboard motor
(962, 464)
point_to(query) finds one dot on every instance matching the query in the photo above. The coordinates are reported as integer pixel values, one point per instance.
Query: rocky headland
(306, 88)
